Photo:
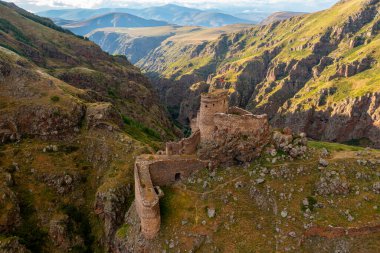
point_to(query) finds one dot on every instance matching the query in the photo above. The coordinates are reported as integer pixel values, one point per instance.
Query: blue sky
(225, 5)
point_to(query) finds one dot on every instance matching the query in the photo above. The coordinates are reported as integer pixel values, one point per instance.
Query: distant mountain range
(111, 20)
(137, 43)
(281, 15)
(170, 13)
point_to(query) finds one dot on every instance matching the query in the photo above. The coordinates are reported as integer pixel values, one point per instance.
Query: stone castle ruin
(221, 136)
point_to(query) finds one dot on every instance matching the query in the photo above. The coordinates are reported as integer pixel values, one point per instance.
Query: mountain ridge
(281, 15)
(114, 19)
(173, 14)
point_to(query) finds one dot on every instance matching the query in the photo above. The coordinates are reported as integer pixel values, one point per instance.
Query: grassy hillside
(72, 120)
(82, 64)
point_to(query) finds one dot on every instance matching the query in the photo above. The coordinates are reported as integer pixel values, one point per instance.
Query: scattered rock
(211, 212)
(50, 148)
(323, 162)
(376, 187)
(331, 184)
(260, 180)
(239, 184)
(324, 153)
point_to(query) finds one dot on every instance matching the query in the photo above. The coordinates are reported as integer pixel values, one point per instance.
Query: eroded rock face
(351, 69)
(353, 118)
(10, 217)
(129, 238)
(101, 114)
(111, 204)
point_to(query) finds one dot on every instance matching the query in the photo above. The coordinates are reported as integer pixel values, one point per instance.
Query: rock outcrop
(111, 206)
(352, 119)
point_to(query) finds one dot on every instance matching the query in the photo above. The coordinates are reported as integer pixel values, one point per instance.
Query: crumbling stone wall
(238, 111)
(187, 146)
(150, 173)
(167, 172)
(147, 201)
(211, 103)
(236, 138)
(194, 123)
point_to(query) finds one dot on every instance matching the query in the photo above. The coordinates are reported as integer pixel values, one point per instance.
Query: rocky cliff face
(317, 59)
(134, 48)
(352, 119)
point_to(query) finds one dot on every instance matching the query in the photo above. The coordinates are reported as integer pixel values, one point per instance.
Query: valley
(137, 43)
(131, 129)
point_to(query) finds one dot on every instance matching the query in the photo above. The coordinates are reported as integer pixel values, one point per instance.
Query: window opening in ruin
(206, 106)
(177, 176)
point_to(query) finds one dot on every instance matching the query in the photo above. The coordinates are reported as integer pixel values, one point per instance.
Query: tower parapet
(211, 103)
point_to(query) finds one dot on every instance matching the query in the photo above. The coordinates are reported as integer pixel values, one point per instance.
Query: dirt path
(353, 154)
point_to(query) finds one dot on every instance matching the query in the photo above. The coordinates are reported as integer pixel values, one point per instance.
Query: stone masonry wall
(147, 201)
(187, 146)
(237, 111)
(236, 138)
(167, 172)
(158, 170)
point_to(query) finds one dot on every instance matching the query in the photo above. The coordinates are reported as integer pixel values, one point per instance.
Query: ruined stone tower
(221, 135)
(211, 103)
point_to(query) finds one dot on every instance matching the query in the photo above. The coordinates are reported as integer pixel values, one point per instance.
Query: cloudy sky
(226, 5)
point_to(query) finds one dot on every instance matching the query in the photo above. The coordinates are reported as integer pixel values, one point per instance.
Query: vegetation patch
(123, 231)
(7, 27)
(333, 146)
(30, 234)
(54, 98)
(79, 224)
(140, 132)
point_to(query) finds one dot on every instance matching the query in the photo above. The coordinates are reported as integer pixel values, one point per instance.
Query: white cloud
(308, 5)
